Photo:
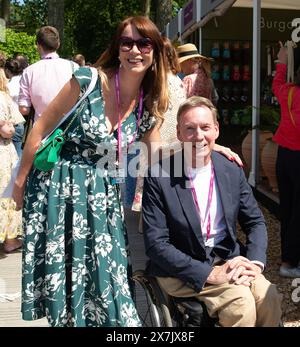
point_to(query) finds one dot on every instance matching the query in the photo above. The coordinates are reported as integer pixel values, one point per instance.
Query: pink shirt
(41, 82)
(287, 134)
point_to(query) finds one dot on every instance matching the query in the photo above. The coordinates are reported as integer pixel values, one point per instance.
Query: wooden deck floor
(10, 278)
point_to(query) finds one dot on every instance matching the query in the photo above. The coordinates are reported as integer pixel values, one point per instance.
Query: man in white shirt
(191, 204)
(42, 81)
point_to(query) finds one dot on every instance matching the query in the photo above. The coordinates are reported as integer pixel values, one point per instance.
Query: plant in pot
(269, 119)
(269, 151)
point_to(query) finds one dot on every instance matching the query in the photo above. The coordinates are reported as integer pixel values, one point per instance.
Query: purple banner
(188, 13)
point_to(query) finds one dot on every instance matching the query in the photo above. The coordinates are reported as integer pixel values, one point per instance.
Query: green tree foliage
(177, 5)
(89, 25)
(19, 42)
(29, 15)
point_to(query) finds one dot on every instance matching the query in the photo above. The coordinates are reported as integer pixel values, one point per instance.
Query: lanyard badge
(119, 176)
(209, 200)
(120, 172)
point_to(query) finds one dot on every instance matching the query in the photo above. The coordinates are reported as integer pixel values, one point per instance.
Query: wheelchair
(158, 309)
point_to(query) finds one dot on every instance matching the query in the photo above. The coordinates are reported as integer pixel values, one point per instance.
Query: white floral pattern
(75, 259)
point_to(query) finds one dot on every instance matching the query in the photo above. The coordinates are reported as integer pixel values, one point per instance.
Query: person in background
(287, 137)
(41, 81)
(191, 205)
(2, 60)
(167, 130)
(177, 95)
(22, 59)
(197, 71)
(13, 70)
(10, 219)
(79, 59)
(75, 262)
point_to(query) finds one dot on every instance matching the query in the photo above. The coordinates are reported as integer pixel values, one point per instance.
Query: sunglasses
(144, 45)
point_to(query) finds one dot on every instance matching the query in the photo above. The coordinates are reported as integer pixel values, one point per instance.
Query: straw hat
(189, 51)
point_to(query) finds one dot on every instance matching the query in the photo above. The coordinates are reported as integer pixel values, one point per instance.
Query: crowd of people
(76, 267)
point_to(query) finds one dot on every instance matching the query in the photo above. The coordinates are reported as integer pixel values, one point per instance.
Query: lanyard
(117, 83)
(209, 200)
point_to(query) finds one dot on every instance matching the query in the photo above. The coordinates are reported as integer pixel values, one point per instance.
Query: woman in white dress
(10, 219)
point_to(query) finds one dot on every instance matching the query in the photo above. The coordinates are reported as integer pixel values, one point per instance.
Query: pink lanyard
(117, 82)
(210, 192)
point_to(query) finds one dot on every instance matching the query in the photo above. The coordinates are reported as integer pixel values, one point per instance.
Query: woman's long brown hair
(155, 81)
(171, 56)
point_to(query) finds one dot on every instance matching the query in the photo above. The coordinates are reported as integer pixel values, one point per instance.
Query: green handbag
(47, 155)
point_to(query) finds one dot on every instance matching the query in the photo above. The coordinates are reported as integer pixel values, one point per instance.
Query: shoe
(292, 272)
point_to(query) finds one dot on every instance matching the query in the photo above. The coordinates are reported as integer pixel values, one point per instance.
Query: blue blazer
(172, 231)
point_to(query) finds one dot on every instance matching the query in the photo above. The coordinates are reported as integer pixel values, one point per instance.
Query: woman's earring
(120, 63)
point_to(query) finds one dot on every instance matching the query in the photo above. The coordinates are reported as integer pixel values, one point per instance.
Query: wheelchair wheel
(150, 303)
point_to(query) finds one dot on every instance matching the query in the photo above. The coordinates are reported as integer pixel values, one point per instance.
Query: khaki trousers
(234, 305)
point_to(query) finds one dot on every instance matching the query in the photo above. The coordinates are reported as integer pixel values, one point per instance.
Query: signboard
(209, 5)
(189, 15)
(296, 32)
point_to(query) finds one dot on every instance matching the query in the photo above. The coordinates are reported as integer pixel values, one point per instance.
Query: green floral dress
(75, 254)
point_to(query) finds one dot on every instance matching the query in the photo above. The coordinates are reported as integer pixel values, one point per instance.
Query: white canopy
(276, 4)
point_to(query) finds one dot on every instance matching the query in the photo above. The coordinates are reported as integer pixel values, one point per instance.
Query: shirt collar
(52, 55)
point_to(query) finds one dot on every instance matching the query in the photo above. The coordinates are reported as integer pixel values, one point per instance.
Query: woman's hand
(18, 195)
(228, 154)
(7, 130)
(282, 54)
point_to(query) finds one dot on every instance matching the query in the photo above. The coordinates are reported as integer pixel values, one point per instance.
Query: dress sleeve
(83, 76)
(188, 86)
(14, 114)
(9, 110)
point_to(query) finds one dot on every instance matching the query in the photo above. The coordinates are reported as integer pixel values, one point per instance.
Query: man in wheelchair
(191, 204)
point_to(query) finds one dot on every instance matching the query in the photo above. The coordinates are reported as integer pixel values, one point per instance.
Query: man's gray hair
(197, 101)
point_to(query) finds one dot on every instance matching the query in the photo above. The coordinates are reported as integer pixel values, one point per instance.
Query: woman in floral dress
(75, 258)
(10, 219)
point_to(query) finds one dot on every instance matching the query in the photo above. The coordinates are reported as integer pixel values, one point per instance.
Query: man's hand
(238, 270)
(244, 270)
(220, 274)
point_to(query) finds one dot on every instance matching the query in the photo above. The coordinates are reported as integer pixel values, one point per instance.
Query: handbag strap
(87, 92)
(290, 100)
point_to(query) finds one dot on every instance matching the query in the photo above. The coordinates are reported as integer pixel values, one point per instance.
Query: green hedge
(19, 42)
